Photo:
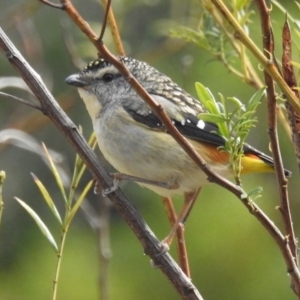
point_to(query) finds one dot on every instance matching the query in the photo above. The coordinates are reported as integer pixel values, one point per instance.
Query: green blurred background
(231, 255)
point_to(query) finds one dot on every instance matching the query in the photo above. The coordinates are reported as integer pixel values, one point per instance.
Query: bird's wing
(187, 123)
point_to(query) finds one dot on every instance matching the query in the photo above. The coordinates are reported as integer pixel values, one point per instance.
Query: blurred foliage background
(231, 255)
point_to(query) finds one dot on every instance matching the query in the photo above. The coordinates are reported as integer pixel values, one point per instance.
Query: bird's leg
(189, 200)
(117, 177)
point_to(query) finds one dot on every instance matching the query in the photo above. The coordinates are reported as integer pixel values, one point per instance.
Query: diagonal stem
(180, 240)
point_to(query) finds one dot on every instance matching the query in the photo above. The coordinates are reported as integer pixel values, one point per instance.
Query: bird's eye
(107, 77)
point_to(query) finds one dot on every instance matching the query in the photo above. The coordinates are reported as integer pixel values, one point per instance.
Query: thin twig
(114, 28)
(180, 240)
(51, 4)
(28, 103)
(103, 28)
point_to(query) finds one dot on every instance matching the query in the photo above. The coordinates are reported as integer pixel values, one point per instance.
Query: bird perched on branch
(134, 141)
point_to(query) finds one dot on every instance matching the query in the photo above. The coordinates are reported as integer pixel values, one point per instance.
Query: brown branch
(113, 28)
(50, 108)
(268, 45)
(103, 28)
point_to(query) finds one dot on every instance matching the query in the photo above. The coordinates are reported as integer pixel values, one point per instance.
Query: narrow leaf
(211, 118)
(55, 173)
(294, 63)
(257, 97)
(237, 103)
(47, 198)
(80, 167)
(45, 231)
(256, 192)
(206, 98)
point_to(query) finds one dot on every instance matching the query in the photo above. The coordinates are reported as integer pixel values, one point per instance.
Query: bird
(135, 142)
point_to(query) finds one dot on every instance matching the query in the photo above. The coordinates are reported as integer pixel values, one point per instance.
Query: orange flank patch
(216, 155)
(250, 162)
(211, 154)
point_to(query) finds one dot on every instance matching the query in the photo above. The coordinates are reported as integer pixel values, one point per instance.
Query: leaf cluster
(233, 124)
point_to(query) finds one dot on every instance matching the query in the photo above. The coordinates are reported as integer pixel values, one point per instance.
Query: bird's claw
(111, 189)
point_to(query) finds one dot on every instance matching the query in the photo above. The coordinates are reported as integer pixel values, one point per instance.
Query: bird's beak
(76, 80)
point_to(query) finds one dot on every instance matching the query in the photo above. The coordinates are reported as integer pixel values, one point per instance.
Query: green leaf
(294, 63)
(221, 108)
(211, 118)
(47, 198)
(56, 174)
(206, 98)
(81, 166)
(237, 103)
(256, 98)
(256, 192)
(45, 231)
